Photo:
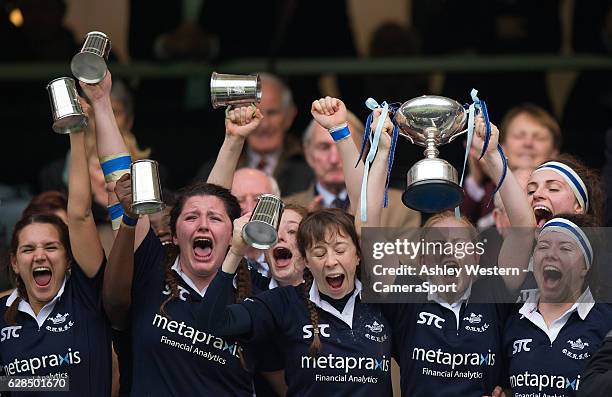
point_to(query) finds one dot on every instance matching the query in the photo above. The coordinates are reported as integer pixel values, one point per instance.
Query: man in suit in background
(329, 189)
(270, 148)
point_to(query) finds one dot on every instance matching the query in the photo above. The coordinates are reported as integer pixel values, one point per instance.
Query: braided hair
(312, 229)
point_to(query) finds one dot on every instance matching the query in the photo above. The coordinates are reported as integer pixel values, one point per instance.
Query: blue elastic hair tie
(116, 164)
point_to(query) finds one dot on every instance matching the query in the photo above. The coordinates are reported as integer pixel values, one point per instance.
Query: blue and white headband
(572, 179)
(572, 230)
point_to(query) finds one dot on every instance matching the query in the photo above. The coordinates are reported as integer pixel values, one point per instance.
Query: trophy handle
(452, 138)
(409, 138)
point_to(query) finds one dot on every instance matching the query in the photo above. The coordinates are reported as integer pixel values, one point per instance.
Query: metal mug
(234, 89)
(68, 115)
(89, 65)
(431, 121)
(261, 230)
(146, 187)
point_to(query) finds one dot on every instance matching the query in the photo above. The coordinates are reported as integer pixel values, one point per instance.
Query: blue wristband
(115, 211)
(340, 134)
(129, 221)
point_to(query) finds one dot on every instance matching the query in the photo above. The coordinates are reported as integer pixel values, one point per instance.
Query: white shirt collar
(529, 310)
(177, 268)
(261, 265)
(329, 197)
(271, 160)
(273, 284)
(44, 312)
(455, 307)
(347, 313)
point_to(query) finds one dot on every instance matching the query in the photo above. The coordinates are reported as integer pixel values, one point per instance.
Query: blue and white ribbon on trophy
(374, 138)
(478, 105)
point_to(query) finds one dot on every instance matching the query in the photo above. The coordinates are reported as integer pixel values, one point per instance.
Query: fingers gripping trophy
(433, 184)
(230, 90)
(430, 121)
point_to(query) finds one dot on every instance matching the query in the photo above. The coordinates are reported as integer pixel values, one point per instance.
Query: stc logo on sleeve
(9, 333)
(521, 345)
(427, 318)
(323, 330)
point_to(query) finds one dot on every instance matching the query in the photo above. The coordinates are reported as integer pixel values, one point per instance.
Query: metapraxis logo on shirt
(31, 365)
(194, 336)
(542, 381)
(453, 359)
(346, 364)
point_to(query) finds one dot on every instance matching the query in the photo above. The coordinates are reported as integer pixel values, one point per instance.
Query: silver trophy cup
(261, 230)
(68, 115)
(431, 121)
(234, 89)
(89, 65)
(146, 188)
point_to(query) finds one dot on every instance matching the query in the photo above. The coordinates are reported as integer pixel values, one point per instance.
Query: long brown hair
(232, 207)
(10, 316)
(312, 229)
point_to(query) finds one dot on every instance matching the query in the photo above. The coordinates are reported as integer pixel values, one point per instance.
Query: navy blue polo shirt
(70, 338)
(441, 356)
(550, 360)
(171, 355)
(356, 344)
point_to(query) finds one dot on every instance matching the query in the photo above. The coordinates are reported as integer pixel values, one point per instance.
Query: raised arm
(84, 239)
(215, 314)
(112, 151)
(377, 178)
(517, 245)
(119, 272)
(239, 123)
(332, 115)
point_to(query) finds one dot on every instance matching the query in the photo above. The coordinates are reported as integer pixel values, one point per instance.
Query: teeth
(335, 276)
(541, 207)
(41, 269)
(551, 268)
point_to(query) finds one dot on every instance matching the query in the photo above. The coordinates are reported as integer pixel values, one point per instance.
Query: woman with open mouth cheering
(53, 324)
(332, 342)
(551, 337)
